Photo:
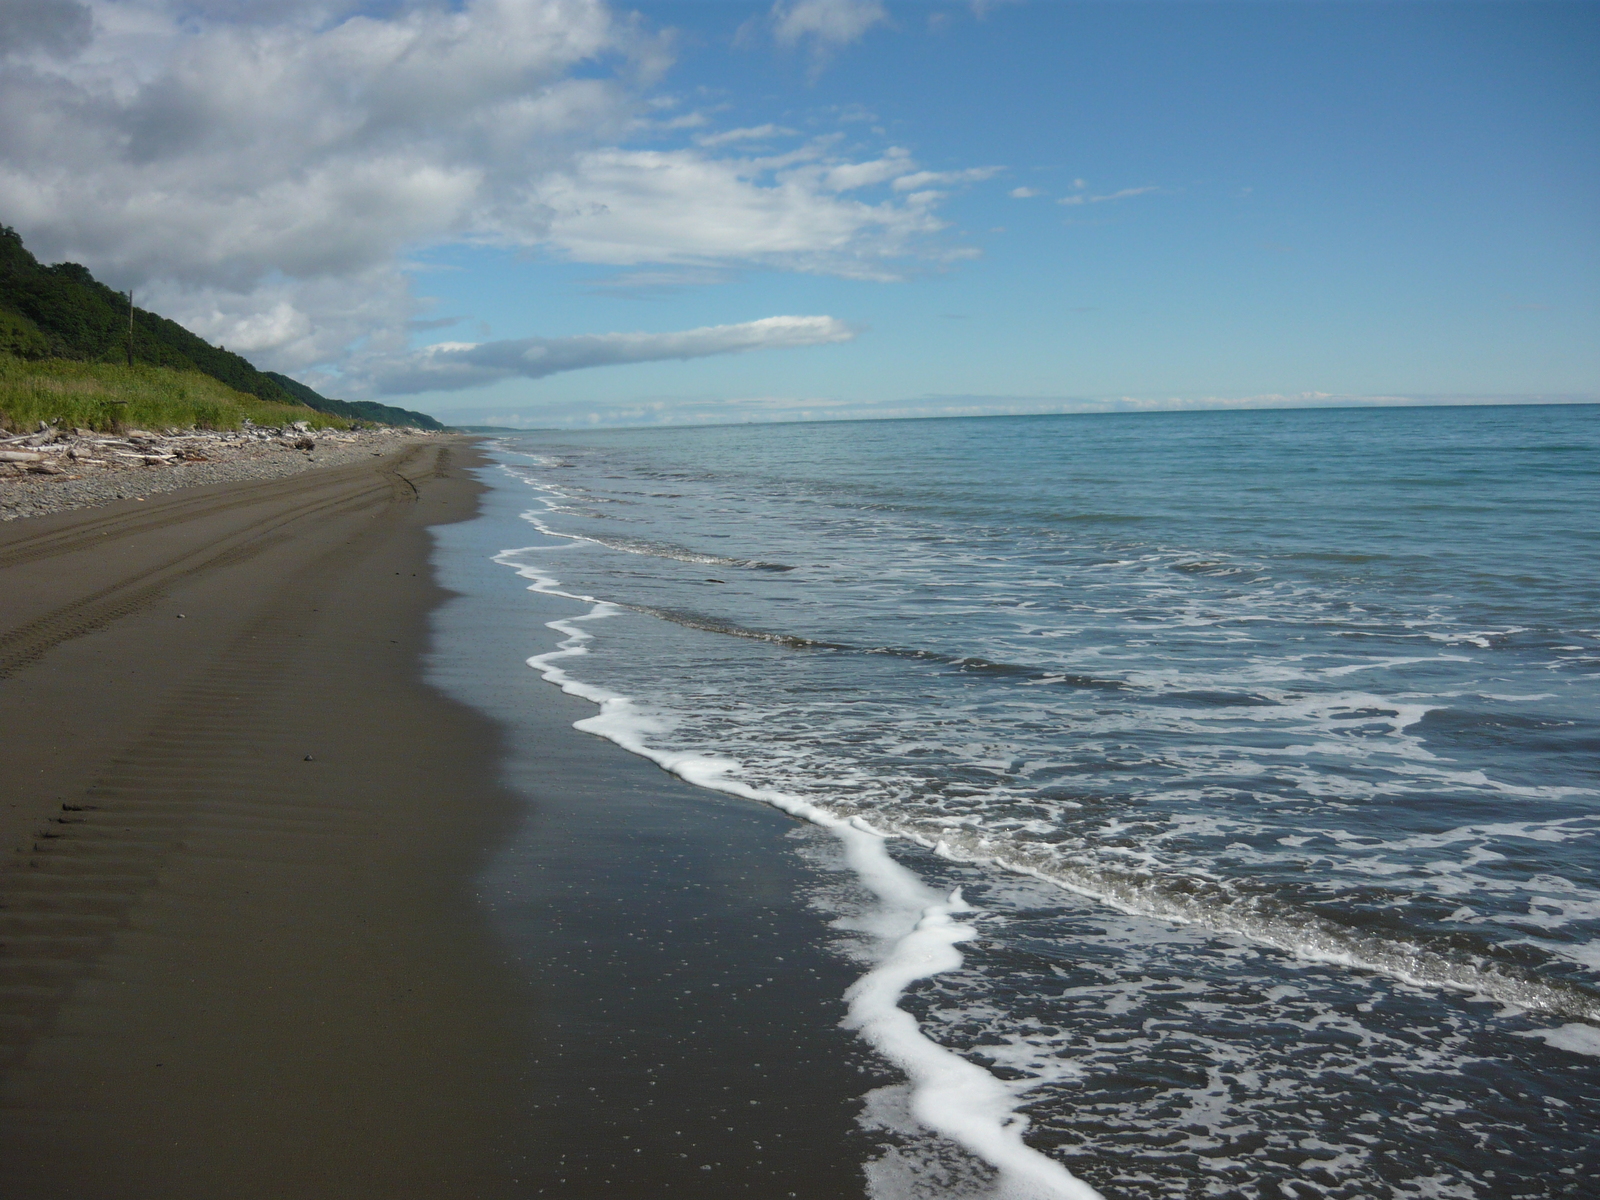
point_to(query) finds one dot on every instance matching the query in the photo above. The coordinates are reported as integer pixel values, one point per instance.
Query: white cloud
(264, 330)
(292, 323)
(757, 133)
(1122, 195)
(846, 177)
(628, 207)
(235, 150)
(234, 168)
(1024, 193)
(455, 365)
(830, 23)
(261, 171)
(923, 179)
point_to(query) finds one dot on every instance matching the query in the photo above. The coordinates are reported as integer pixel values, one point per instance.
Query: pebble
(54, 470)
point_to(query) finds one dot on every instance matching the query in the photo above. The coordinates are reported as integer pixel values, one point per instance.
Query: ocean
(1214, 796)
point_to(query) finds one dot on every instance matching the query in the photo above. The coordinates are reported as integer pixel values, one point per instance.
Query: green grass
(113, 398)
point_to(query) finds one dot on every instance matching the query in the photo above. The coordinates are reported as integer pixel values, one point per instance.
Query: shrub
(111, 397)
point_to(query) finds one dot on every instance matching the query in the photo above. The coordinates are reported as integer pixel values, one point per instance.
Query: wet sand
(281, 918)
(687, 1001)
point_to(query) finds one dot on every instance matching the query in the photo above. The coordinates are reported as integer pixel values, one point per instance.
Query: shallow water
(1260, 745)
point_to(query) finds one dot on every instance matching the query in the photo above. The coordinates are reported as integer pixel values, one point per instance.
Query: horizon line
(594, 421)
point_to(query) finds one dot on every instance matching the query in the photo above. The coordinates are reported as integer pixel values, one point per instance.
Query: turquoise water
(1263, 746)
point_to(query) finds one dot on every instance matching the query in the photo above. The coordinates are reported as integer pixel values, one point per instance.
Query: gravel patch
(54, 470)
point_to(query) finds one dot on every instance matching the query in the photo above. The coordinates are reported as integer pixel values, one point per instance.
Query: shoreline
(689, 988)
(310, 888)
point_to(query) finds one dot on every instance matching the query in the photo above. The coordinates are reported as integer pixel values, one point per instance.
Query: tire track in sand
(193, 778)
(25, 644)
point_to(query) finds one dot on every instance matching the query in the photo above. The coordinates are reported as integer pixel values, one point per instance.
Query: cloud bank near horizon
(452, 366)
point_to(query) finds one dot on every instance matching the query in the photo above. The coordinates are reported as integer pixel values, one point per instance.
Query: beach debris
(33, 461)
(310, 759)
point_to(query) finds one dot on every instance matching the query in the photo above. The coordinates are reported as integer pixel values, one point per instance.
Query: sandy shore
(241, 958)
(279, 918)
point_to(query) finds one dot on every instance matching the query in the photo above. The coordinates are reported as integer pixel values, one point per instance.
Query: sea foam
(920, 931)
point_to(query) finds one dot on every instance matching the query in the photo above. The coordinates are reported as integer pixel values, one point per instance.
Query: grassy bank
(111, 397)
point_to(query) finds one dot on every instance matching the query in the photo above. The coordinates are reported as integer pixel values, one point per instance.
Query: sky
(538, 213)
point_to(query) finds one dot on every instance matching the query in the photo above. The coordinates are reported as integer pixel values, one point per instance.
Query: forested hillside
(64, 312)
(360, 410)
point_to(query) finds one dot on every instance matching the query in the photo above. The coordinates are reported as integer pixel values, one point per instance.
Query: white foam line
(951, 1096)
(1377, 663)
(1407, 963)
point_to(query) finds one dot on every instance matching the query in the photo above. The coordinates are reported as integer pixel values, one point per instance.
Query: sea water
(1217, 797)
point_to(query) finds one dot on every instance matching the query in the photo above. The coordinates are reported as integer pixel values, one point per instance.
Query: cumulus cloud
(289, 324)
(261, 171)
(262, 176)
(823, 26)
(234, 150)
(828, 23)
(1024, 193)
(627, 207)
(456, 365)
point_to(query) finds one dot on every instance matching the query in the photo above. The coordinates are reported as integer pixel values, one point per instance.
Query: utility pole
(130, 327)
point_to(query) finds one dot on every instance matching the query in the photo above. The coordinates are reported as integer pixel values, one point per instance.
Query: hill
(63, 312)
(357, 410)
(113, 396)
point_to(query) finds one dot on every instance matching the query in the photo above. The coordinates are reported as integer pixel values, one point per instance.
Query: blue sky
(1071, 206)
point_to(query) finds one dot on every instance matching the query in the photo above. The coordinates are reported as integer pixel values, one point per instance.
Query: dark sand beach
(246, 841)
(687, 1005)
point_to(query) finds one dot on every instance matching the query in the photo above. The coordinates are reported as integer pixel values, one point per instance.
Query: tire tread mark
(27, 643)
(30, 547)
(66, 898)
